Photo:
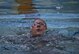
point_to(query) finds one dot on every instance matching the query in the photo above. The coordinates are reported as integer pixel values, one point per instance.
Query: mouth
(39, 30)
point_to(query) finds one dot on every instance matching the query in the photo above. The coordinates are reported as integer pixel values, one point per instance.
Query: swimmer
(39, 27)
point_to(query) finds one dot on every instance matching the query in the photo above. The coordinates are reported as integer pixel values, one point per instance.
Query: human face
(38, 28)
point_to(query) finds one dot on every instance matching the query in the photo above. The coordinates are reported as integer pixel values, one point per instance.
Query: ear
(45, 27)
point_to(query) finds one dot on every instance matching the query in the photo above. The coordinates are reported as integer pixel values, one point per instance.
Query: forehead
(39, 20)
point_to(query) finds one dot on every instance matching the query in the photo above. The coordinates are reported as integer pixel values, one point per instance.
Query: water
(62, 36)
(53, 20)
(21, 23)
(49, 6)
(56, 41)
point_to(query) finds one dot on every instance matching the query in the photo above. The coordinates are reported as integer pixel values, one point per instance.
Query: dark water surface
(54, 41)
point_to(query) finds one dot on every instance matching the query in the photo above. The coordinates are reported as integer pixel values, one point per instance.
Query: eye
(40, 23)
(34, 24)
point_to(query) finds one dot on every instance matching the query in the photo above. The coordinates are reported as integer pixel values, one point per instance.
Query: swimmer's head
(39, 27)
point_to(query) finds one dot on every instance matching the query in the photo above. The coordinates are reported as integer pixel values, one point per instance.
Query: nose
(38, 25)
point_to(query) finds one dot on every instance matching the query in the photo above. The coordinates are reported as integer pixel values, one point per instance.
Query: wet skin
(38, 28)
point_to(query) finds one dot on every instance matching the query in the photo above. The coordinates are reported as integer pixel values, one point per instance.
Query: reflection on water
(13, 25)
(39, 6)
(52, 24)
(53, 20)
